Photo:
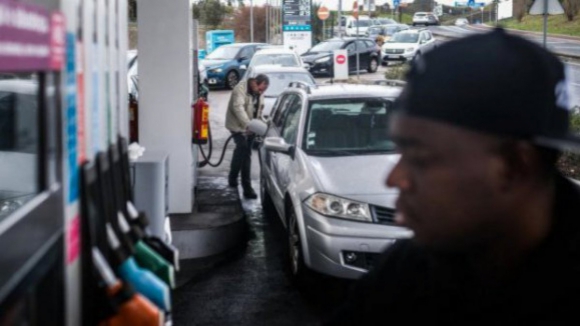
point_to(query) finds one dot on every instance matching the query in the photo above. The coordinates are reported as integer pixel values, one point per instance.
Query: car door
(430, 40)
(423, 42)
(289, 131)
(364, 54)
(244, 57)
(351, 50)
(270, 159)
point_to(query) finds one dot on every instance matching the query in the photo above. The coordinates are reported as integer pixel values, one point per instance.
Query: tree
(423, 5)
(571, 8)
(133, 10)
(316, 23)
(520, 9)
(241, 24)
(230, 4)
(209, 12)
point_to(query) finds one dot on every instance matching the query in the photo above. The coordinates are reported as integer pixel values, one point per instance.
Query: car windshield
(362, 23)
(279, 81)
(341, 127)
(420, 15)
(404, 38)
(375, 30)
(284, 59)
(386, 21)
(224, 53)
(326, 46)
(390, 30)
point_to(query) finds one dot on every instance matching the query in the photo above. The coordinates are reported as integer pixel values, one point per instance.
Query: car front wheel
(232, 79)
(373, 65)
(299, 273)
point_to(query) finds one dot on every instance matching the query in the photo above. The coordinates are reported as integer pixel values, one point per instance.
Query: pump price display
(297, 12)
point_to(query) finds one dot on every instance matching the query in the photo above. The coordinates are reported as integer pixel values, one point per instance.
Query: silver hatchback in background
(323, 164)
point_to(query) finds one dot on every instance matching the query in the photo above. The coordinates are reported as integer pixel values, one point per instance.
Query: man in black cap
(479, 126)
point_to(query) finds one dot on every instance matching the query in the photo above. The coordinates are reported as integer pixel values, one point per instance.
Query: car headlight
(333, 206)
(410, 50)
(321, 60)
(216, 70)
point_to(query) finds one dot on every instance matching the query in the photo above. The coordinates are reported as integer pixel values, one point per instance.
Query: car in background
(408, 45)
(320, 57)
(461, 22)
(227, 64)
(358, 26)
(425, 18)
(276, 56)
(386, 31)
(133, 73)
(383, 21)
(280, 77)
(323, 162)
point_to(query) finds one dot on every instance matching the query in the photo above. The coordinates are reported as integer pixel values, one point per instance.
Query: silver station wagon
(324, 160)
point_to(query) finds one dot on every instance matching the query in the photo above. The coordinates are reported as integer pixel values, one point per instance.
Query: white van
(364, 22)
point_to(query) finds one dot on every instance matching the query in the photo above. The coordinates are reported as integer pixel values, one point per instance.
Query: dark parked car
(386, 31)
(319, 58)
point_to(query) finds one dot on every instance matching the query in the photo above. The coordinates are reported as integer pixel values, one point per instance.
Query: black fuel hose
(206, 158)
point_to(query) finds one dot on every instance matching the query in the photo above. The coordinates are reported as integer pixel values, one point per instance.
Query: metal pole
(496, 12)
(545, 21)
(323, 29)
(267, 21)
(339, 13)
(482, 15)
(356, 49)
(252, 21)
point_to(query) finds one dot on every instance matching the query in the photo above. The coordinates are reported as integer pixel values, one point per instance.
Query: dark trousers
(242, 160)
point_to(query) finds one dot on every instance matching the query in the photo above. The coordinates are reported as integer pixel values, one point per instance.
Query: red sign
(355, 10)
(57, 40)
(340, 59)
(323, 13)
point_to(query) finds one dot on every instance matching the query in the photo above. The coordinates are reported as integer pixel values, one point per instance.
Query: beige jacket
(241, 108)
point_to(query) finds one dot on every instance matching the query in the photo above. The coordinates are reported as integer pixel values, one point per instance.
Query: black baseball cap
(494, 83)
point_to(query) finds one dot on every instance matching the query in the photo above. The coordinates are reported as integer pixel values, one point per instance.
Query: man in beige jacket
(245, 104)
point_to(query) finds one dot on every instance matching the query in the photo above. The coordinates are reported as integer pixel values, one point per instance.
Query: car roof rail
(300, 84)
(390, 82)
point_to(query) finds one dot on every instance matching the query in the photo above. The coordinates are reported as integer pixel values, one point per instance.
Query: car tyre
(299, 273)
(267, 203)
(232, 79)
(417, 56)
(373, 65)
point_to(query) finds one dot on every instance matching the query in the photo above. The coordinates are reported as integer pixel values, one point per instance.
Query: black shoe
(250, 194)
(233, 184)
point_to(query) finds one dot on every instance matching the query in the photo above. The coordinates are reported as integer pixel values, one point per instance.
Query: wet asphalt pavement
(253, 288)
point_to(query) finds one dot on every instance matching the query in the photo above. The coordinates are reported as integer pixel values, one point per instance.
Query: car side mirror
(240, 59)
(278, 145)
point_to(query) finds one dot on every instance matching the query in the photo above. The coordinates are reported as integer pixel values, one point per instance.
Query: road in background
(554, 43)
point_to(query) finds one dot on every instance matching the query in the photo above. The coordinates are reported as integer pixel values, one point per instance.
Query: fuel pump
(130, 307)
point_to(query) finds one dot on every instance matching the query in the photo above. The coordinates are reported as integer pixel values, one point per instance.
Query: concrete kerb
(214, 232)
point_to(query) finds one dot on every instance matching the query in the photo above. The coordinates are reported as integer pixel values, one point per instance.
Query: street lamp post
(252, 21)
